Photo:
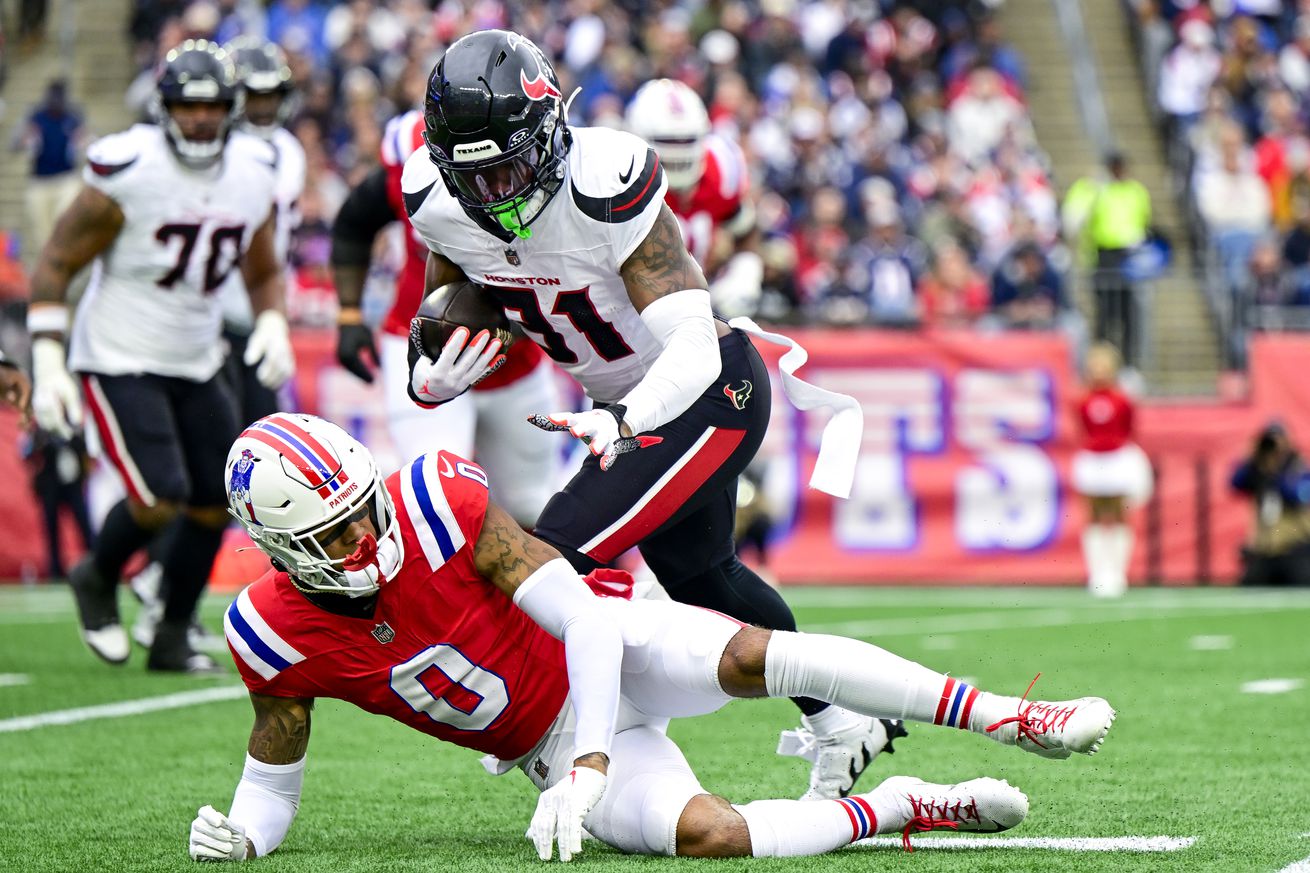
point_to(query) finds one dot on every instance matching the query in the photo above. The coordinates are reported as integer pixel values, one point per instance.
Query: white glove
(215, 837)
(461, 365)
(561, 809)
(56, 400)
(599, 429)
(270, 346)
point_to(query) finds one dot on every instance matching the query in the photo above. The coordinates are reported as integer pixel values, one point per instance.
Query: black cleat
(172, 653)
(97, 613)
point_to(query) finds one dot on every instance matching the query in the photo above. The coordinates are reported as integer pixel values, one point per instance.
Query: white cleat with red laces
(985, 805)
(1056, 730)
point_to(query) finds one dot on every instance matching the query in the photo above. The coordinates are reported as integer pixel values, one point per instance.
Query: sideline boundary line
(1060, 844)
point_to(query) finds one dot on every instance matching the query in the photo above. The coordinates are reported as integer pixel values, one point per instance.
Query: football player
(269, 96)
(709, 190)
(568, 228)
(486, 423)
(167, 212)
(417, 598)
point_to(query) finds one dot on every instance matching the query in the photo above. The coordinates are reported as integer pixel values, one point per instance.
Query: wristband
(47, 318)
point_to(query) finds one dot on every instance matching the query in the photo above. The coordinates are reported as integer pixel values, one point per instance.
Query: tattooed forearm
(85, 229)
(505, 554)
(281, 731)
(661, 264)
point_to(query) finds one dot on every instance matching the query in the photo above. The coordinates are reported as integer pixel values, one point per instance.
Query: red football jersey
(403, 137)
(1107, 416)
(445, 652)
(718, 198)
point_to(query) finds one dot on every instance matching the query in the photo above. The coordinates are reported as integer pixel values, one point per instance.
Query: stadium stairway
(1186, 353)
(86, 43)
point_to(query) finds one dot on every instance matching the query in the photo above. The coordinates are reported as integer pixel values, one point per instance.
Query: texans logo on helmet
(538, 88)
(240, 484)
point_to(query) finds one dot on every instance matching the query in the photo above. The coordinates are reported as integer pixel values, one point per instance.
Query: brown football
(459, 304)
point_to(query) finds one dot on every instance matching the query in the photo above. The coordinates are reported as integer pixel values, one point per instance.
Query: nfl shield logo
(512, 256)
(383, 633)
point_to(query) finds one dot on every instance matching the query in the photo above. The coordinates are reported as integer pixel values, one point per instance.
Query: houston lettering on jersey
(519, 280)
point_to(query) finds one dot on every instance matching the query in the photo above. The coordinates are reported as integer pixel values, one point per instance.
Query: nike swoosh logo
(624, 177)
(446, 469)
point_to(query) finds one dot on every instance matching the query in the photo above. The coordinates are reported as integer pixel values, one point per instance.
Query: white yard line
(1000, 620)
(1025, 597)
(1059, 844)
(1271, 686)
(123, 708)
(9, 680)
(1302, 866)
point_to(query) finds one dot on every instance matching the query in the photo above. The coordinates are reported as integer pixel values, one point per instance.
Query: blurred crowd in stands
(1230, 80)
(895, 173)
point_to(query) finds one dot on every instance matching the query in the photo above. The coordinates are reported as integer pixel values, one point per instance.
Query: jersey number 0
(474, 699)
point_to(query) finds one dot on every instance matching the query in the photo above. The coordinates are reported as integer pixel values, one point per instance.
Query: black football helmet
(262, 70)
(495, 127)
(197, 71)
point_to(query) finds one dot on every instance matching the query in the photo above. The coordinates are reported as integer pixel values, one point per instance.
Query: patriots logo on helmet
(240, 483)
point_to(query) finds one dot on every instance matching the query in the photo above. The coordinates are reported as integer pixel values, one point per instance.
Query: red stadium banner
(964, 470)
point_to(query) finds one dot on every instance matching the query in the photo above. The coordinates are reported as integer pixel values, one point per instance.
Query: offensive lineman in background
(266, 79)
(486, 423)
(167, 212)
(568, 229)
(709, 190)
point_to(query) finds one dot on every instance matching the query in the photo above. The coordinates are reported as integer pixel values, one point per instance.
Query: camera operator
(1278, 482)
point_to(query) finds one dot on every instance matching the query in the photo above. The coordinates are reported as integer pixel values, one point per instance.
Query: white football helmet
(290, 477)
(671, 117)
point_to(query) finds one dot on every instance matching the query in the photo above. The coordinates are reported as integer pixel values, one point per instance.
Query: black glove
(352, 341)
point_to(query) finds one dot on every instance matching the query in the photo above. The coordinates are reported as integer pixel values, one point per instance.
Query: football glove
(270, 346)
(598, 429)
(561, 810)
(56, 401)
(353, 340)
(215, 837)
(461, 365)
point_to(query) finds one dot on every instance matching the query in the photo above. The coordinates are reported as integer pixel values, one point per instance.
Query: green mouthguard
(508, 216)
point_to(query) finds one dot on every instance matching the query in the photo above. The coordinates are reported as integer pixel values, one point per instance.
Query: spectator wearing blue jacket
(1278, 483)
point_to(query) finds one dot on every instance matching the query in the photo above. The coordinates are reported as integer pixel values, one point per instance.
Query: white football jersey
(152, 305)
(562, 285)
(237, 313)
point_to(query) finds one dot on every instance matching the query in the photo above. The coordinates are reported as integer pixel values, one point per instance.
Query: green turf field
(1191, 755)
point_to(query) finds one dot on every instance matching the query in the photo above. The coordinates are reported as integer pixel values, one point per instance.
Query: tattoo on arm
(661, 265)
(85, 229)
(281, 731)
(505, 554)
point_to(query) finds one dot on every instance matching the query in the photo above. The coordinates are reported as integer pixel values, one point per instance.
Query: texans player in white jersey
(269, 97)
(567, 227)
(485, 423)
(417, 598)
(167, 212)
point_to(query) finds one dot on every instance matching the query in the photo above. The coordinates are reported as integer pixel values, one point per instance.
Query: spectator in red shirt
(1110, 471)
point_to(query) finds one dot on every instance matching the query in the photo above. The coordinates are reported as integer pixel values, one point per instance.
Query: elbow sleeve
(266, 801)
(683, 323)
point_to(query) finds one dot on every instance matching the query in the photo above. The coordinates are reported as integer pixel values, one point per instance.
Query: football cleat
(1056, 729)
(984, 805)
(172, 653)
(97, 613)
(839, 759)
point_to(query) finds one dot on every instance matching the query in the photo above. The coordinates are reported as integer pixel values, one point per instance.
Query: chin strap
(372, 563)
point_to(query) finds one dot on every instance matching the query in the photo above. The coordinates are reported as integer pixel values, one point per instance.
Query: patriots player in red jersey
(567, 228)
(416, 598)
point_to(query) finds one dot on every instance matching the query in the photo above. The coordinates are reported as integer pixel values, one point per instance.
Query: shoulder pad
(417, 180)
(614, 176)
(110, 155)
(257, 148)
(403, 136)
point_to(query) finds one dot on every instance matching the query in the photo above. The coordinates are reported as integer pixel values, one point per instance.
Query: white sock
(862, 677)
(1121, 552)
(793, 828)
(1098, 553)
